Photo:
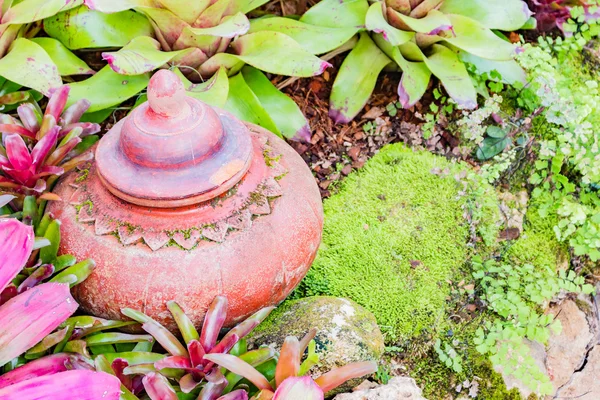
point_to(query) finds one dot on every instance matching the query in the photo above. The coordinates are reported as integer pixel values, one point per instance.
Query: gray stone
(399, 388)
(566, 351)
(346, 332)
(584, 384)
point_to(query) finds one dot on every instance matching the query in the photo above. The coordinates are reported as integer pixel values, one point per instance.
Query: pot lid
(173, 150)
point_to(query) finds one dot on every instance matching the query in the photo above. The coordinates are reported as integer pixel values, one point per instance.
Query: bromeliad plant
(207, 39)
(219, 367)
(289, 382)
(187, 364)
(420, 37)
(40, 146)
(26, 325)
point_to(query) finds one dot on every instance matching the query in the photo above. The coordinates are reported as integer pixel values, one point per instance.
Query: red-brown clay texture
(253, 244)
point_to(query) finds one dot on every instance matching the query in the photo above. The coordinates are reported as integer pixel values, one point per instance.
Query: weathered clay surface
(346, 332)
(146, 257)
(399, 388)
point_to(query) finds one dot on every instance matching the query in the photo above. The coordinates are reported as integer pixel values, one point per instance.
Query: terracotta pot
(183, 203)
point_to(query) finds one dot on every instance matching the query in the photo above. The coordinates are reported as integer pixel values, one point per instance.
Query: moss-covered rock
(346, 332)
(396, 233)
(538, 244)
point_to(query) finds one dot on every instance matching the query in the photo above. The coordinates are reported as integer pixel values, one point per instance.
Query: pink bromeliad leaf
(158, 387)
(76, 384)
(298, 388)
(27, 318)
(48, 365)
(16, 243)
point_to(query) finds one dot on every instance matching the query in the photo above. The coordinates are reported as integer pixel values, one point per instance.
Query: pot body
(252, 244)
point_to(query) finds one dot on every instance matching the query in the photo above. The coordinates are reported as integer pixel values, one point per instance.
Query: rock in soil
(346, 332)
(400, 388)
(584, 384)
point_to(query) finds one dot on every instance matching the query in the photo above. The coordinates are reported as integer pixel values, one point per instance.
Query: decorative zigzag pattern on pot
(232, 211)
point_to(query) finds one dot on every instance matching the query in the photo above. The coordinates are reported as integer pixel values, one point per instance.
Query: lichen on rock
(395, 234)
(346, 332)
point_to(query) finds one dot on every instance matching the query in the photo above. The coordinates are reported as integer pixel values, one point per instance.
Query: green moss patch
(394, 235)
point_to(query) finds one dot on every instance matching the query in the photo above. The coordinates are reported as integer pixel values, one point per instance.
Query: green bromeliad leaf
(432, 24)
(337, 13)
(107, 89)
(214, 91)
(505, 15)
(113, 6)
(377, 23)
(67, 62)
(209, 39)
(284, 112)
(356, 80)
(314, 39)
(27, 64)
(510, 70)
(188, 11)
(81, 28)
(243, 103)
(277, 53)
(415, 75)
(140, 55)
(232, 63)
(34, 10)
(471, 36)
(450, 70)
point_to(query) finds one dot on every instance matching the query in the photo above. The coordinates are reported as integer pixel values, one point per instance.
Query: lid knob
(166, 95)
(173, 150)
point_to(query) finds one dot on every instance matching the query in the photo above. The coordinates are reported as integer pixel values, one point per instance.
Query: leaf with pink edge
(277, 53)
(415, 75)
(66, 62)
(451, 71)
(475, 38)
(107, 88)
(337, 13)
(288, 364)
(334, 378)
(377, 23)
(114, 6)
(298, 388)
(29, 65)
(314, 39)
(505, 15)
(229, 27)
(433, 23)
(158, 387)
(356, 80)
(25, 12)
(27, 318)
(240, 367)
(239, 394)
(48, 365)
(81, 28)
(510, 70)
(16, 243)
(139, 56)
(213, 322)
(76, 384)
(243, 103)
(214, 91)
(284, 112)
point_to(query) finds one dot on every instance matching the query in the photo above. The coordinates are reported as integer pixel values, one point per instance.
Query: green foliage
(515, 293)
(568, 170)
(395, 234)
(448, 356)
